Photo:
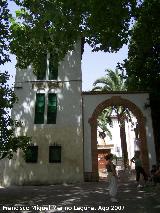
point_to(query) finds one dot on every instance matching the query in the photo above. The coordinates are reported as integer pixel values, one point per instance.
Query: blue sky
(94, 64)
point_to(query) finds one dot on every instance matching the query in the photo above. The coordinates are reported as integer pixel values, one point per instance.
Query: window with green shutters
(39, 108)
(53, 67)
(55, 154)
(52, 108)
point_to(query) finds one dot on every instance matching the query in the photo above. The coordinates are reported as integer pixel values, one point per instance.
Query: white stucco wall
(90, 102)
(67, 131)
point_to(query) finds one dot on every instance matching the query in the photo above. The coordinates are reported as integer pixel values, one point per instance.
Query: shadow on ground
(84, 197)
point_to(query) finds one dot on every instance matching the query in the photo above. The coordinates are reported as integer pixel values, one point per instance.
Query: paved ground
(84, 197)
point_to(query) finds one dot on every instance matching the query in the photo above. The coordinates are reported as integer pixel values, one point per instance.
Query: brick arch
(117, 100)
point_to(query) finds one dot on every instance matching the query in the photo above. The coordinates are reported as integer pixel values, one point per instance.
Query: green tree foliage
(4, 32)
(9, 143)
(54, 26)
(143, 63)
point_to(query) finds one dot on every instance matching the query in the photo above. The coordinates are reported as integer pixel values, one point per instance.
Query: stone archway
(117, 100)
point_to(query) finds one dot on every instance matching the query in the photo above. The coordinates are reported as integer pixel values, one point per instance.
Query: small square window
(55, 154)
(31, 154)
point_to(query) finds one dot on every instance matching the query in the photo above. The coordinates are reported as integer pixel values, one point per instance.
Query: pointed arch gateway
(117, 101)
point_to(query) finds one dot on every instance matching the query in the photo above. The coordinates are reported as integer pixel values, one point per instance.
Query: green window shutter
(39, 109)
(52, 108)
(55, 154)
(31, 154)
(53, 67)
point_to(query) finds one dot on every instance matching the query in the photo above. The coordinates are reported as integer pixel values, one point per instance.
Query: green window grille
(39, 108)
(53, 67)
(42, 67)
(31, 154)
(55, 154)
(52, 108)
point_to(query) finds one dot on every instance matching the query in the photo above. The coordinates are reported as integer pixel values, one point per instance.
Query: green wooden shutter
(55, 154)
(31, 154)
(52, 108)
(53, 67)
(39, 109)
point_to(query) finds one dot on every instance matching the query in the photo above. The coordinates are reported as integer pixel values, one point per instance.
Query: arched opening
(117, 101)
(117, 133)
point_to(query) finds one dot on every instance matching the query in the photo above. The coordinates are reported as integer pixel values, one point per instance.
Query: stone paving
(82, 197)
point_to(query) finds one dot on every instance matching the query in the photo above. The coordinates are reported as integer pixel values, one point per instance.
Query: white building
(55, 124)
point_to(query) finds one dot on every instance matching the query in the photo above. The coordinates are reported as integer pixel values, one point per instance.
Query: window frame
(55, 148)
(34, 155)
(39, 114)
(51, 114)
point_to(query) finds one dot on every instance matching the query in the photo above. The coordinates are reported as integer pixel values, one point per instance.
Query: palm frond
(98, 88)
(100, 81)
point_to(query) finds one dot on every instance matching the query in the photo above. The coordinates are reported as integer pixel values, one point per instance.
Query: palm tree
(103, 120)
(113, 81)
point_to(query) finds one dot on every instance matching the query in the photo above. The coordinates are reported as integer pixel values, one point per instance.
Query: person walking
(139, 169)
(112, 177)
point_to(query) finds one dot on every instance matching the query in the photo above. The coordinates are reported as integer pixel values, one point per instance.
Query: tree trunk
(123, 142)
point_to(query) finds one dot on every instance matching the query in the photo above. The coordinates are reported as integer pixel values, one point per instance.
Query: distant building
(113, 144)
